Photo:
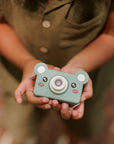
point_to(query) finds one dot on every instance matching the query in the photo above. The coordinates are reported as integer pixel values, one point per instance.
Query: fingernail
(45, 100)
(80, 111)
(64, 106)
(79, 115)
(74, 113)
(19, 100)
(47, 106)
(55, 103)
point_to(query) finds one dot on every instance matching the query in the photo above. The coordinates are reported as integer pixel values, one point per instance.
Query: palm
(27, 87)
(67, 111)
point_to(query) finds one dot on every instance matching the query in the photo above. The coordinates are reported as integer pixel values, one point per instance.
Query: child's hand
(66, 110)
(27, 85)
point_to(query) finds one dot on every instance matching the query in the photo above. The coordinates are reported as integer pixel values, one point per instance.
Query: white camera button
(41, 69)
(81, 77)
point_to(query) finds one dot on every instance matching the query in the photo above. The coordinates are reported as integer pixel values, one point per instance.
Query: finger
(56, 105)
(33, 76)
(35, 100)
(27, 84)
(53, 67)
(50, 66)
(50, 102)
(57, 69)
(65, 111)
(88, 91)
(78, 112)
(44, 106)
(19, 92)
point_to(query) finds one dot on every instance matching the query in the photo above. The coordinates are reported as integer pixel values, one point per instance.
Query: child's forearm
(99, 51)
(95, 54)
(12, 48)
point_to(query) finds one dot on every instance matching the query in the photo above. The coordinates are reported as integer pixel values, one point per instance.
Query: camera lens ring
(58, 84)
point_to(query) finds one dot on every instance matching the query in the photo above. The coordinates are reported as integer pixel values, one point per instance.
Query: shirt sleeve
(112, 5)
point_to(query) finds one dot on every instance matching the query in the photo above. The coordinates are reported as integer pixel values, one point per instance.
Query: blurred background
(51, 132)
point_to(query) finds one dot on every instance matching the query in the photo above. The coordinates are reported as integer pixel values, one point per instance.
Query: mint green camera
(58, 85)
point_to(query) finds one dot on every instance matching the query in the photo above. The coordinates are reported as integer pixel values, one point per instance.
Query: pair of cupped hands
(27, 85)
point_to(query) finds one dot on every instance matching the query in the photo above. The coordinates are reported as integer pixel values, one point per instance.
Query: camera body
(58, 85)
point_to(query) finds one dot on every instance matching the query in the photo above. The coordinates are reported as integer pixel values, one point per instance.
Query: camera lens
(58, 84)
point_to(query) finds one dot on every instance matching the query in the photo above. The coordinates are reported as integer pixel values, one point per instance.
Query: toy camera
(58, 85)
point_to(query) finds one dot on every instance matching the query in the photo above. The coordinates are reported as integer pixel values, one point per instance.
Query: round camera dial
(81, 77)
(41, 69)
(58, 84)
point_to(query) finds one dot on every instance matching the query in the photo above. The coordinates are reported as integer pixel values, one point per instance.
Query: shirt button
(46, 24)
(43, 49)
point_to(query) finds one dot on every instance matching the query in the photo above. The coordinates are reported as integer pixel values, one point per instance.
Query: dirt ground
(47, 127)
